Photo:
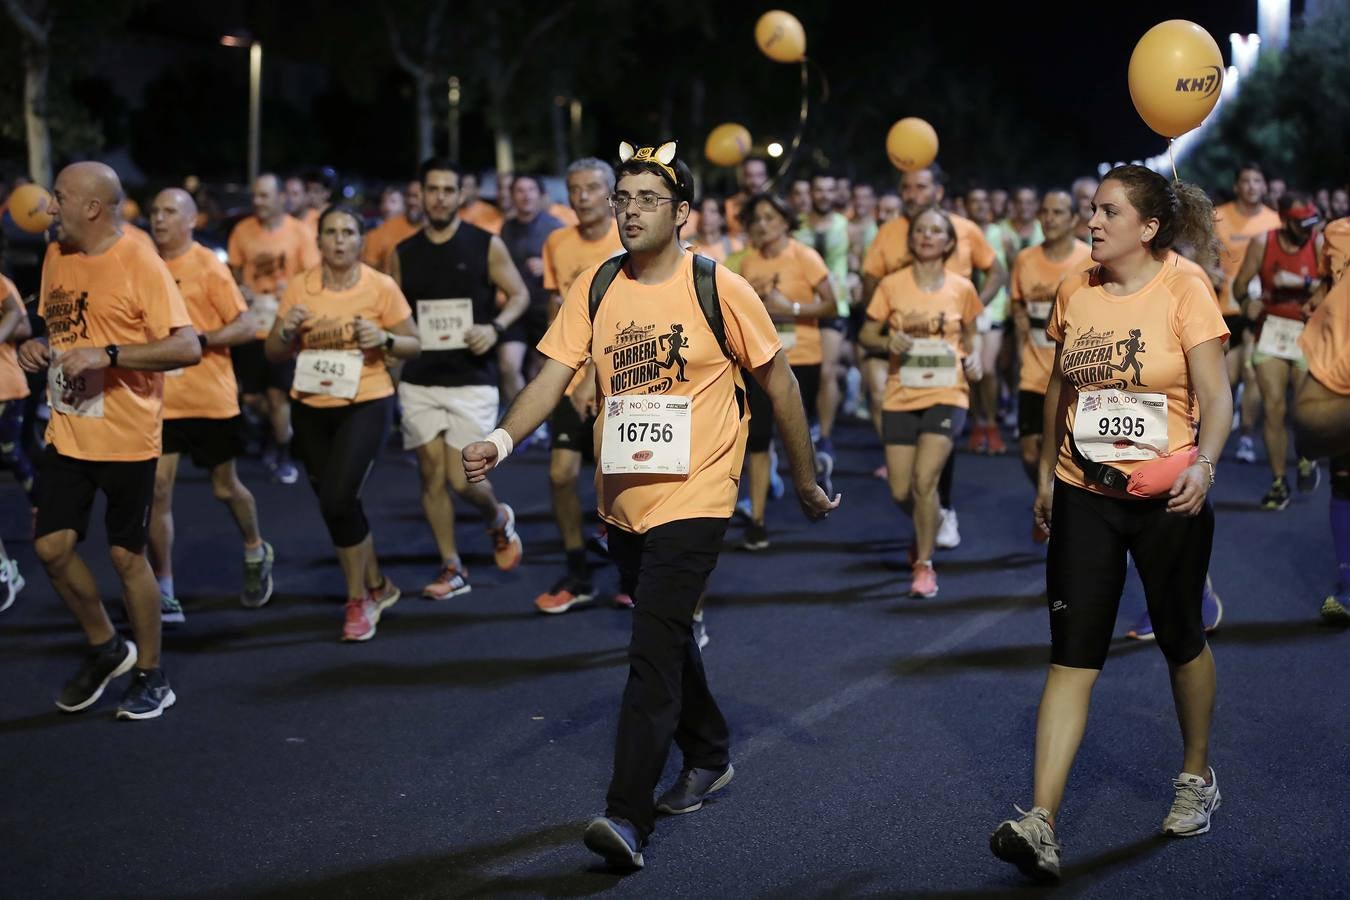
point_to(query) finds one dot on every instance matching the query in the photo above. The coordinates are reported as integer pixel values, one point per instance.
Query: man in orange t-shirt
(674, 441)
(266, 250)
(115, 322)
(201, 403)
(568, 252)
(14, 327)
(754, 179)
(382, 239)
(319, 185)
(475, 210)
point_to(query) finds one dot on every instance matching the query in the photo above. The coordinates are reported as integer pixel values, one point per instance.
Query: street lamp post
(254, 97)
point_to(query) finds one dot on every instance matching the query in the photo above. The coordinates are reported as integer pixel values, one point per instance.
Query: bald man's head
(267, 198)
(88, 204)
(172, 216)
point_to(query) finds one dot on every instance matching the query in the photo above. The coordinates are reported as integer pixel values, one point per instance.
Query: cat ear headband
(661, 156)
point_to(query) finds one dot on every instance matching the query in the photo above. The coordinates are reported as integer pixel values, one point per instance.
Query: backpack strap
(604, 277)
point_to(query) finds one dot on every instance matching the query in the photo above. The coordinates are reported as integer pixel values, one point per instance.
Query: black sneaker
(756, 537)
(1309, 475)
(687, 793)
(83, 691)
(616, 840)
(147, 696)
(1277, 497)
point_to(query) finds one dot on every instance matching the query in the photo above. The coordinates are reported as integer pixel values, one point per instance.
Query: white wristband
(504, 445)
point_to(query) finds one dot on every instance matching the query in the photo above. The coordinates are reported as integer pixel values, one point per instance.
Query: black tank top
(457, 268)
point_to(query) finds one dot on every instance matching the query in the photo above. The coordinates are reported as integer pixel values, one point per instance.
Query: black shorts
(1085, 573)
(65, 495)
(207, 442)
(838, 324)
(761, 407)
(255, 374)
(567, 430)
(529, 328)
(903, 428)
(1030, 413)
(857, 317)
(1238, 326)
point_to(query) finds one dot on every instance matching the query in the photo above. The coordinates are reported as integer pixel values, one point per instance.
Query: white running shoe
(1246, 451)
(1028, 843)
(949, 530)
(11, 582)
(1193, 805)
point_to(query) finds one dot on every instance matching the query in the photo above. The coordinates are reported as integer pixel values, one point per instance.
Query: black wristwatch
(112, 350)
(388, 341)
(201, 339)
(498, 327)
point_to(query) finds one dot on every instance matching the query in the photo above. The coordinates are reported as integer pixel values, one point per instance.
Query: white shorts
(457, 415)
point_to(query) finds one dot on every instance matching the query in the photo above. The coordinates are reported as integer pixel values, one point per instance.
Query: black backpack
(705, 288)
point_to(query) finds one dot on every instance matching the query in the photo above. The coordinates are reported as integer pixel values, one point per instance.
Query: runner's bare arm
(869, 287)
(506, 277)
(393, 268)
(1056, 424)
(240, 331)
(180, 348)
(14, 325)
(1209, 380)
(34, 355)
(532, 406)
(1251, 265)
(872, 338)
(777, 380)
(996, 276)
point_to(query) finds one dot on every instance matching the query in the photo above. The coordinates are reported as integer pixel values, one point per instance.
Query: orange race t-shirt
(566, 255)
(270, 258)
(1334, 260)
(1186, 264)
(1235, 231)
(375, 297)
(796, 272)
(1326, 340)
(13, 382)
(124, 296)
(311, 221)
(383, 238)
(206, 390)
(563, 213)
(718, 250)
(484, 215)
(1135, 343)
(902, 305)
(1035, 278)
(631, 357)
(890, 249)
(139, 236)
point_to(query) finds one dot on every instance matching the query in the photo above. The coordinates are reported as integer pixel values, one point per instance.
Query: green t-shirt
(831, 242)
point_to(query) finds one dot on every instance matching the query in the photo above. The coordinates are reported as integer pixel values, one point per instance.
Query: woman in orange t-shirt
(711, 238)
(342, 321)
(1136, 409)
(930, 313)
(794, 284)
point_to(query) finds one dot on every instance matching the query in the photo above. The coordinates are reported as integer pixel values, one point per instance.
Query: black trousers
(667, 696)
(338, 446)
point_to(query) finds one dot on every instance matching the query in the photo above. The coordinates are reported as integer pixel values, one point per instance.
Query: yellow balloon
(727, 144)
(781, 36)
(911, 144)
(1176, 76)
(30, 208)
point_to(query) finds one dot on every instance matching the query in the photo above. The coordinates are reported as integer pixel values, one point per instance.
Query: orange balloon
(29, 207)
(131, 210)
(727, 144)
(911, 144)
(781, 36)
(1176, 76)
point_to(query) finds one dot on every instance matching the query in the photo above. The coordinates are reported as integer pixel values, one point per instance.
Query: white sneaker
(1246, 451)
(700, 630)
(1028, 843)
(949, 531)
(11, 582)
(1195, 802)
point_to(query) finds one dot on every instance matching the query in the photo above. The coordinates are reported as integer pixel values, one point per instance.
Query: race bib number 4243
(334, 373)
(1116, 426)
(647, 435)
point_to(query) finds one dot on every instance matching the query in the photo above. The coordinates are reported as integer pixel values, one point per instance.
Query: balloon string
(1173, 157)
(801, 122)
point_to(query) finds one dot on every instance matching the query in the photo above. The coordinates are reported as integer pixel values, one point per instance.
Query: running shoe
(1143, 629)
(569, 591)
(1309, 475)
(756, 537)
(688, 792)
(700, 630)
(147, 696)
(363, 614)
(1211, 608)
(258, 579)
(11, 582)
(1246, 451)
(1277, 497)
(616, 840)
(949, 530)
(881, 472)
(599, 542)
(979, 440)
(386, 595)
(170, 610)
(825, 472)
(742, 512)
(98, 669)
(452, 581)
(623, 601)
(506, 546)
(287, 473)
(925, 581)
(1336, 608)
(1193, 805)
(1028, 843)
(995, 447)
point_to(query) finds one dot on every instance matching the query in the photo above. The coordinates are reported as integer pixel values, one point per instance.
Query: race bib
(264, 311)
(930, 363)
(335, 373)
(646, 435)
(787, 334)
(1279, 338)
(1039, 314)
(441, 324)
(78, 396)
(1116, 426)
